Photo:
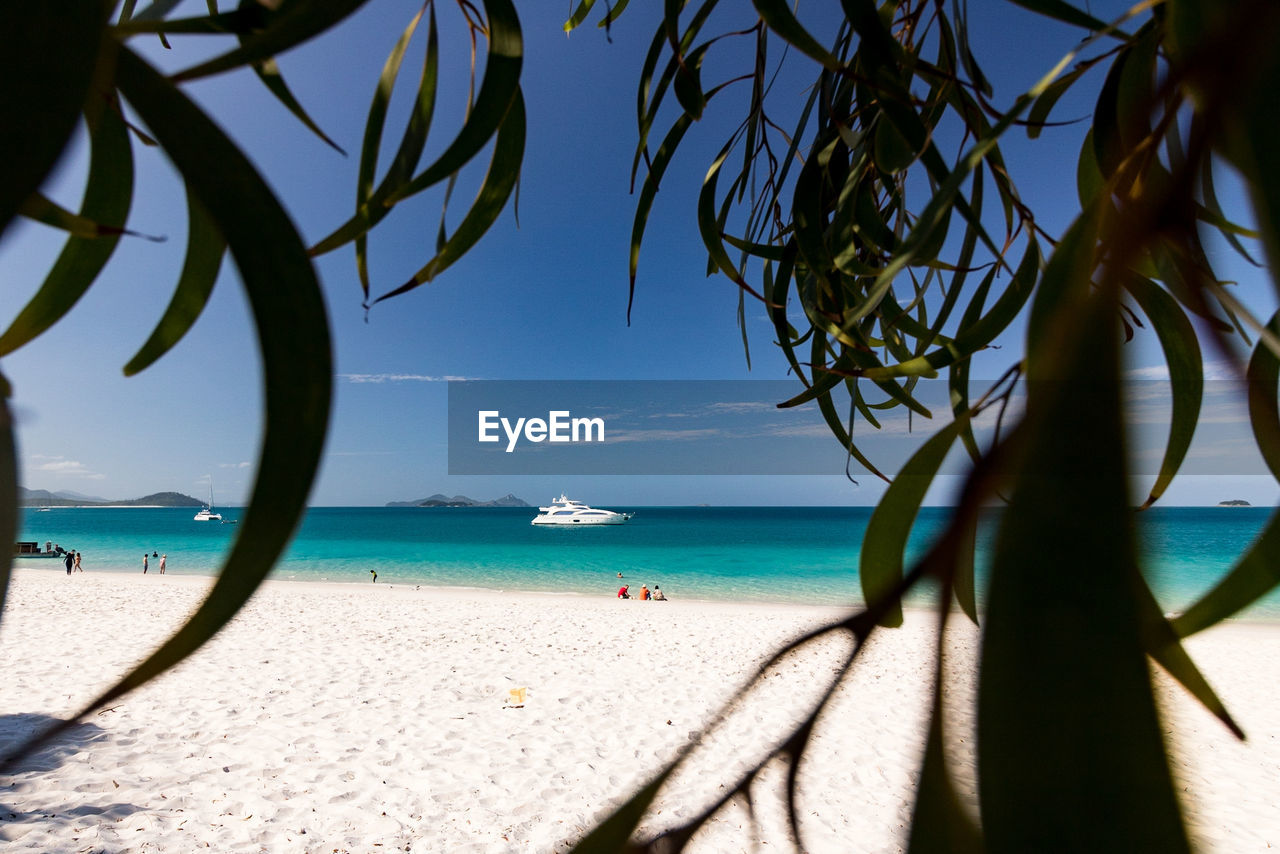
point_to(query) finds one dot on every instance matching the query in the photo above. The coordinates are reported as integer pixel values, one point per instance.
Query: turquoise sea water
(783, 554)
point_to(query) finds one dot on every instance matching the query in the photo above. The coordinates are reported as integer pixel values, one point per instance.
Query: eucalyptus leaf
(107, 198)
(55, 42)
(205, 248)
(1067, 724)
(289, 315)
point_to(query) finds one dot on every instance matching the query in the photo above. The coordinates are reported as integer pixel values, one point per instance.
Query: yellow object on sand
(517, 697)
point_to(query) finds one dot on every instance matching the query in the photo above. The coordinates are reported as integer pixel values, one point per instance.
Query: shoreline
(328, 718)
(1252, 616)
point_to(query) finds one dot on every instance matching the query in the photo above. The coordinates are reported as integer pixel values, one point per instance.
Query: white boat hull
(617, 519)
(567, 513)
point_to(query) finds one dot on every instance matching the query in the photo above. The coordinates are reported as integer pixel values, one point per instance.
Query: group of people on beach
(624, 592)
(71, 559)
(146, 561)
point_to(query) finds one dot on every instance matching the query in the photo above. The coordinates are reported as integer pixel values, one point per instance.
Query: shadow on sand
(23, 778)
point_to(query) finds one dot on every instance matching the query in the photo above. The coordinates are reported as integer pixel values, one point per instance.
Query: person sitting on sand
(658, 595)
(644, 593)
(622, 592)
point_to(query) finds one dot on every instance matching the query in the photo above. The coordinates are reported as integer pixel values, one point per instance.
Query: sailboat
(206, 513)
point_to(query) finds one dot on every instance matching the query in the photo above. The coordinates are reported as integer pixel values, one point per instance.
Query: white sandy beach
(358, 718)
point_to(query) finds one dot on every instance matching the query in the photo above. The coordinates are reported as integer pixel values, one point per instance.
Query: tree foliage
(879, 227)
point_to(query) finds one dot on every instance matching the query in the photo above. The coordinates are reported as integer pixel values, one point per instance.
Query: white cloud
(399, 378)
(240, 465)
(1213, 370)
(746, 406)
(615, 437)
(63, 467)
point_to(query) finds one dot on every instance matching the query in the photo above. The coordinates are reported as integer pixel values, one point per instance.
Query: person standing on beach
(68, 559)
(374, 573)
(162, 560)
(79, 568)
(144, 563)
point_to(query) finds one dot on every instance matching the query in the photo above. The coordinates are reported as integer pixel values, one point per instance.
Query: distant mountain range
(45, 498)
(439, 500)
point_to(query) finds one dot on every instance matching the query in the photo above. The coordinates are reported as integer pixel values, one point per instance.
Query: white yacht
(206, 514)
(566, 511)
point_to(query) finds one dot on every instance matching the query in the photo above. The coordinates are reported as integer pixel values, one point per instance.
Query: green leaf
(971, 68)
(938, 822)
(489, 202)
(40, 208)
(289, 26)
(498, 90)
(1062, 11)
(648, 190)
(579, 15)
(1070, 751)
(619, 7)
(777, 16)
(1043, 106)
(1255, 575)
(709, 224)
(974, 336)
(1186, 373)
(249, 17)
(688, 83)
(1162, 644)
(1108, 143)
(107, 197)
(1250, 101)
(371, 208)
(1066, 278)
(369, 202)
(1263, 374)
(880, 567)
(958, 372)
(269, 73)
(1211, 212)
(892, 152)
(8, 489)
(1089, 177)
(293, 334)
(1136, 91)
(205, 248)
(52, 48)
(1257, 572)
(963, 580)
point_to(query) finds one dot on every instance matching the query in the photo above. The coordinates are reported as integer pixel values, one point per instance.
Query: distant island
(1234, 502)
(439, 500)
(45, 498)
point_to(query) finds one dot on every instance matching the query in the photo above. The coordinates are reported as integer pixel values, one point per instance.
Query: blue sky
(544, 299)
